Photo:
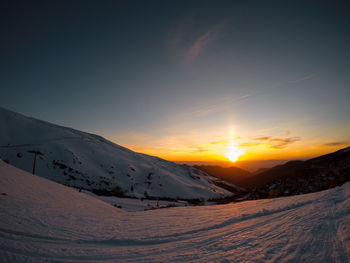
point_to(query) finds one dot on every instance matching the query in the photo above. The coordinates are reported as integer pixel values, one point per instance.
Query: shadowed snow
(43, 221)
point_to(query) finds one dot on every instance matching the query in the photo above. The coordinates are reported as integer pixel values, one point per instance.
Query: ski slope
(42, 221)
(88, 161)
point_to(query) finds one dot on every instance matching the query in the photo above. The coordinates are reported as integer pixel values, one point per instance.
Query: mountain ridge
(89, 161)
(300, 177)
(231, 174)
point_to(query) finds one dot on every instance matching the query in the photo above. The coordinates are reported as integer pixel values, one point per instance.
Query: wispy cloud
(280, 143)
(199, 149)
(262, 139)
(272, 142)
(199, 44)
(249, 144)
(338, 143)
(208, 146)
(306, 77)
(219, 142)
(217, 106)
(188, 39)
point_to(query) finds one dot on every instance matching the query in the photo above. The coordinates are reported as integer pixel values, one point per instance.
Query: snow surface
(42, 221)
(135, 204)
(89, 161)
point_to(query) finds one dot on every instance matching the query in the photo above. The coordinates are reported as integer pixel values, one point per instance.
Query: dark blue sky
(164, 76)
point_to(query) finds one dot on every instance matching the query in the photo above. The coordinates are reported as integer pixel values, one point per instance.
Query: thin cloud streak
(184, 43)
(335, 143)
(218, 106)
(199, 44)
(310, 76)
(272, 142)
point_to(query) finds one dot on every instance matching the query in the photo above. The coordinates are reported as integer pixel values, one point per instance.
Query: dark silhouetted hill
(230, 174)
(303, 176)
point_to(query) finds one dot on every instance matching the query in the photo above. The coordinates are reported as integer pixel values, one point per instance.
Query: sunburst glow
(233, 152)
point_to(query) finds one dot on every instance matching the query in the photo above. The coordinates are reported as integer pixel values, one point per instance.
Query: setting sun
(233, 152)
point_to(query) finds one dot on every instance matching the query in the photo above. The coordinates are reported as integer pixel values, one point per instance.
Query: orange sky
(213, 144)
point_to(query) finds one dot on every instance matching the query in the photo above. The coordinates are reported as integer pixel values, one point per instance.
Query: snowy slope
(89, 161)
(41, 221)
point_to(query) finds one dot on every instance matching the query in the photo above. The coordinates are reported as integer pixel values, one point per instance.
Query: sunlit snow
(88, 161)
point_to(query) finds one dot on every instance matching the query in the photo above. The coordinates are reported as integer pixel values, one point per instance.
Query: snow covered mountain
(91, 162)
(42, 221)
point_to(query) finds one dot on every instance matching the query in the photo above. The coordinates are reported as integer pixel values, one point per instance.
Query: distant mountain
(250, 166)
(297, 177)
(91, 162)
(260, 170)
(230, 174)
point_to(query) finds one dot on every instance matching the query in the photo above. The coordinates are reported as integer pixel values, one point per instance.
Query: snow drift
(91, 162)
(41, 221)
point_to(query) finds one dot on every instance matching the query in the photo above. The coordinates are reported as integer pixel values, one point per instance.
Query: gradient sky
(184, 79)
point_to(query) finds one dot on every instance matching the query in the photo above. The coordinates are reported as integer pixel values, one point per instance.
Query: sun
(233, 152)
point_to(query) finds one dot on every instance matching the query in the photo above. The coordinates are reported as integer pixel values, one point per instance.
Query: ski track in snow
(42, 221)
